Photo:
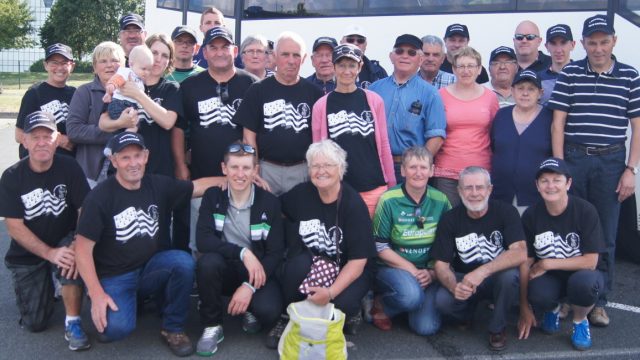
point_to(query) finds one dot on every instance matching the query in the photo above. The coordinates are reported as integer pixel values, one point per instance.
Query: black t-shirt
(48, 202)
(208, 119)
(125, 224)
(280, 115)
(467, 243)
(54, 100)
(481, 79)
(575, 232)
(156, 138)
(315, 224)
(350, 124)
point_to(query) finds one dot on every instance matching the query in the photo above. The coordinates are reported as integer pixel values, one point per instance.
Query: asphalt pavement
(618, 341)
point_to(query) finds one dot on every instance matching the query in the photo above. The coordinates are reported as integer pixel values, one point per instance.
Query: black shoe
(352, 323)
(273, 337)
(250, 324)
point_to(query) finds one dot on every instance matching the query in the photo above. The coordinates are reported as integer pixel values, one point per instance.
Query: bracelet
(242, 253)
(330, 294)
(249, 286)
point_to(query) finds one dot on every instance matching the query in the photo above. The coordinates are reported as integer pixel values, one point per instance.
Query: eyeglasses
(236, 148)
(478, 188)
(327, 166)
(132, 31)
(419, 218)
(467, 67)
(59, 63)
(254, 52)
(401, 51)
(355, 40)
(502, 63)
(181, 42)
(223, 92)
(529, 37)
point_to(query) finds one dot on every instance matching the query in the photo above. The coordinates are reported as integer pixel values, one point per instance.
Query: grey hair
(471, 170)
(296, 38)
(254, 39)
(330, 150)
(432, 40)
(418, 152)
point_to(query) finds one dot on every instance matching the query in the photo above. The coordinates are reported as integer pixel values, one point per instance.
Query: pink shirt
(468, 126)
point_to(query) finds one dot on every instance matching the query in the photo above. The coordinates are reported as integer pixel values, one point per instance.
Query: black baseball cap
(183, 29)
(527, 75)
(597, 23)
(131, 19)
(60, 49)
(502, 50)
(560, 30)
(457, 29)
(553, 165)
(347, 51)
(325, 40)
(39, 119)
(408, 39)
(122, 140)
(217, 32)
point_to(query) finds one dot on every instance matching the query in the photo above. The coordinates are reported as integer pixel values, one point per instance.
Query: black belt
(284, 164)
(597, 150)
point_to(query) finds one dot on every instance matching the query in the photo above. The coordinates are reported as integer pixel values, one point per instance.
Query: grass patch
(14, 85)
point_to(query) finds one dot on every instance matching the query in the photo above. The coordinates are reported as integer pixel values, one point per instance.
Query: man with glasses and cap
(594, 102)
(456, 37)
(40, 198)
(559, 44)
(371, 69)
(503, 68)
(118, 253)
(185, 42)
(321, 61)
(526, 42)
(210, 100)
(241, 241)
(52, 95)
(414, 109)
(132, 33)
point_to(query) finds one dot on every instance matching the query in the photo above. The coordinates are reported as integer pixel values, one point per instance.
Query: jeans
(502, 288)
(117, 106)
(168, 275)
(595, 178)
(401, 292)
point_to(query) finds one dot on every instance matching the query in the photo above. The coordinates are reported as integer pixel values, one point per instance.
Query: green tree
(15, 24)
(83, 24)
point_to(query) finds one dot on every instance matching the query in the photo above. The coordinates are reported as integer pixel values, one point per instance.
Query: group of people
(433, 192)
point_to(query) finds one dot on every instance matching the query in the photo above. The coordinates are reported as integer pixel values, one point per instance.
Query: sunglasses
(401, 51)
(223, 92)
(529, 37)
(356, 40)
(236, 148)
(419, 218)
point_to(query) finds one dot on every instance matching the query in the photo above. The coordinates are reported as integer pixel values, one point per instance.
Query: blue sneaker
(551, 322)
(76, 337)
(581, 337)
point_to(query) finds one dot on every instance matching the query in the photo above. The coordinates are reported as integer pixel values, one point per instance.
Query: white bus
(491, 24)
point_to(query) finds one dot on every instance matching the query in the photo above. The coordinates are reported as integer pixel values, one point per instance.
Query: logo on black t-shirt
(474, 248)
(213, 110)
(552, 246)
(280, 113)
(40, 202)
(344, 122)
(315, 236)
(143, 115)
(59, 110)
(131, 222)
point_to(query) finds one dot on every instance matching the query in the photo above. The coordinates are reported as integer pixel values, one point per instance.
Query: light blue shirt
(405, 128)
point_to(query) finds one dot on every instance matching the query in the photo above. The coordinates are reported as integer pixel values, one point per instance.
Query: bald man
(526, 41)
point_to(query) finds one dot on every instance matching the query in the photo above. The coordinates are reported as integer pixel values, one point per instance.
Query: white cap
(355, 30)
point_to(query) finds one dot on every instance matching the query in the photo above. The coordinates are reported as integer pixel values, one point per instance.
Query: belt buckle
(589, 149)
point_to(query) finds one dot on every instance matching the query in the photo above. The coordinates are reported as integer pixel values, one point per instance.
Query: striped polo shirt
(598, 106)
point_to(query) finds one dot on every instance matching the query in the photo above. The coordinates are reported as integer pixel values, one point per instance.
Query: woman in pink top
(469, 108)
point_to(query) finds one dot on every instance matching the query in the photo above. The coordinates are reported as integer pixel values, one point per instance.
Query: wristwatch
(633, 169)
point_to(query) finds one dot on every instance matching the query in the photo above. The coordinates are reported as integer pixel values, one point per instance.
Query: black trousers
(582, 288)
(218, 277)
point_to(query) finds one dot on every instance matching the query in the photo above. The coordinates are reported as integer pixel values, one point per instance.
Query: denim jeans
(401, 292)
(595, 178)
(168, 275)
